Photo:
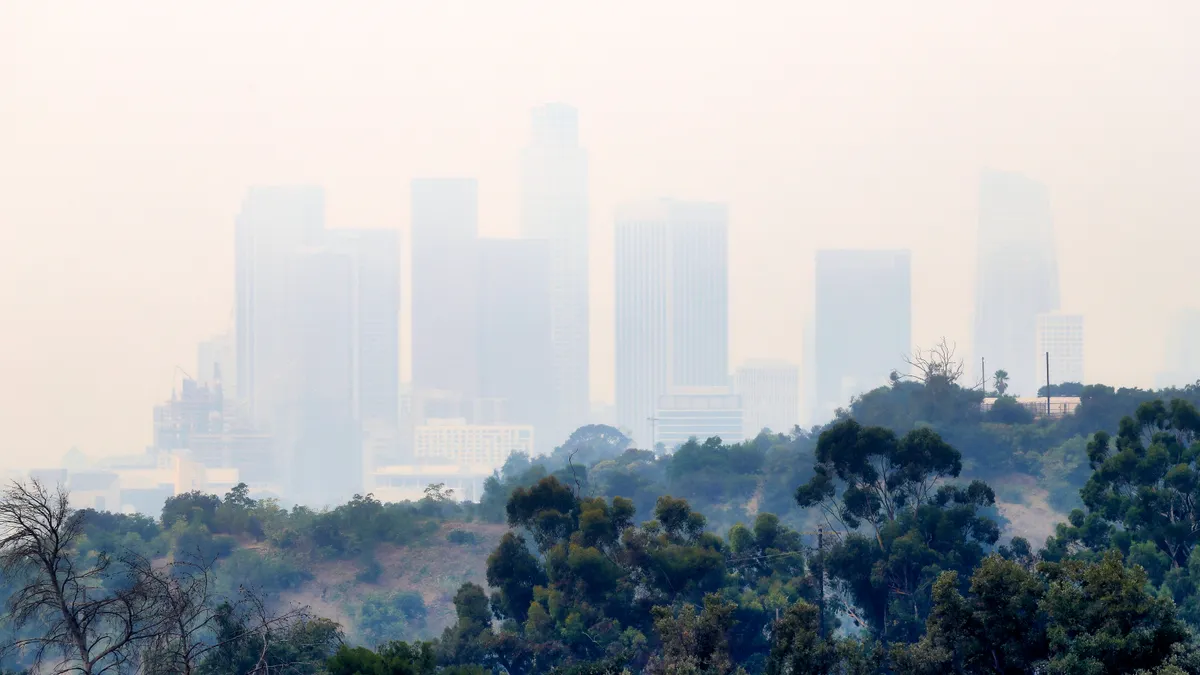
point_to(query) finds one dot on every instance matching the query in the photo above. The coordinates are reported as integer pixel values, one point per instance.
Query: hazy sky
(129, 131)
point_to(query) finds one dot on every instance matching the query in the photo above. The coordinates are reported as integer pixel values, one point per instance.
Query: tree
(693, 643)
(590, 444)
(918, 525)
(96, 616)
(299, 646)
(936, 367)
(1102, 618)
(1000, 381)
(798, 646)
(514, 572)
(999, 628)
(183, 590)
(190, 507)
(1008, 410)
(469, 640)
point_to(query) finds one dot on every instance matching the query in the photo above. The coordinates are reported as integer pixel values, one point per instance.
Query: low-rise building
(453, 441)
(407, 482)
(700, 413)
(1055, 406)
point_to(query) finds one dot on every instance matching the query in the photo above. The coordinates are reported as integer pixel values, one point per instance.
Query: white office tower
(1060, 335)
(770, 392)
(554, 207)
(672, 306)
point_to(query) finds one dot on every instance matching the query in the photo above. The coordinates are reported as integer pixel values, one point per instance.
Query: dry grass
(1032, 517)
(435, 570)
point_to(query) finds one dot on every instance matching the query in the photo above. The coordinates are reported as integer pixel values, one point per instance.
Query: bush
(370, 572)
(462, 537)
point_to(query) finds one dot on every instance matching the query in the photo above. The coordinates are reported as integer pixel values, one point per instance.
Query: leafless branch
(937, 365)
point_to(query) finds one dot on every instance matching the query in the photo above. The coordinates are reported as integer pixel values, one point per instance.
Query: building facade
(216, 364)
(445, 229)
(863, 323)
(453, 441)
(273, 223)
(1017, 275)
(516, 350)
(554, 208)
(770, 392)
(672, 303)
(1060, 336)
(317, 346)
(325, 465)
(375, 257)
(700, 413)
(1181, 358)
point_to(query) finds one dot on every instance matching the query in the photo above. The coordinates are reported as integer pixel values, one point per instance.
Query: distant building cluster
(302, 398)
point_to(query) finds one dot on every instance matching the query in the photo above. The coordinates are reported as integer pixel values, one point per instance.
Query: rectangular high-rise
(375, 256)
(445, 227)
(863, 323)
(1016, 275)
(325, 466)
(1181, 357)
(1061, 336)
(672, 305)
(554, 207)
(770, 392)
(317, 338)
(515, 350)
(273, 223)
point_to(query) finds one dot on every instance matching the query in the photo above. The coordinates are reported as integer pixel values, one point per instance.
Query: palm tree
(1001, 380)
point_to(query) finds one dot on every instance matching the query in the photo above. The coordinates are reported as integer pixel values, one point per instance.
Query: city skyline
(122, 174)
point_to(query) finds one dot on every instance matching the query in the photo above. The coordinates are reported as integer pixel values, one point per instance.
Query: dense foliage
(706, 559)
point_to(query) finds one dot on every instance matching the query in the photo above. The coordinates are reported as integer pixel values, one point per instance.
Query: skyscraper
(1060, 335)
(863, 323)
(274, 222)
(325, 466)
(1017, 275)
(317, 338)
(445, 227)
(375, 256)
(671, 305)
(515, 347)
(1181, 360)
(554, 207)
(770, 392)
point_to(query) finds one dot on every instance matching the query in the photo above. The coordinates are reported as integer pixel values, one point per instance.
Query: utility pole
(1047, 384)
(983, 373)
(820, 582)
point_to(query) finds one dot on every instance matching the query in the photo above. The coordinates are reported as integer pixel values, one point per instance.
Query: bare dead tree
(184, 592)
(89, 626)
(935, 366)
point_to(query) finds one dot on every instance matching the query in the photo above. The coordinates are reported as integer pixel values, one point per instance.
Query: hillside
(433, 570)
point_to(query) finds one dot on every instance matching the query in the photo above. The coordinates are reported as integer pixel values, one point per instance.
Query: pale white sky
(130, 129)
